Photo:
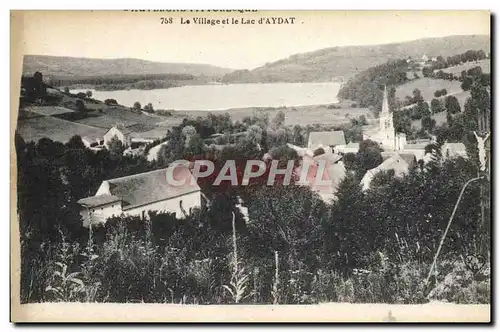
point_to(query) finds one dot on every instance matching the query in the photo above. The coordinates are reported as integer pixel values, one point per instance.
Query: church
(385, 134)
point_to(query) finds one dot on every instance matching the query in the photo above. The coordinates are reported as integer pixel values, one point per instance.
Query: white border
(185, 4)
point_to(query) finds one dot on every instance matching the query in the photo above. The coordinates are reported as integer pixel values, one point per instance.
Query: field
(301, 115)
(49, 110)
(35, 128)
(427, 86)
(112, 116)
(439, 117)
(484, 64)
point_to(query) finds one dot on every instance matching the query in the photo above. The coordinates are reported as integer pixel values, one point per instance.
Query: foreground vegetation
(374, 246)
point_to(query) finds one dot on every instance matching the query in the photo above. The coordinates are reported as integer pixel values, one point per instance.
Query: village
(350, 174)
(137, 194)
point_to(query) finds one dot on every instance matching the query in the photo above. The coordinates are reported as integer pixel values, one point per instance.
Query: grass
(35, 128)
(484, 64)
(110, 117)
(300, 115)
(49, 110)
(61, 122)
(427, 86)
(439, 117)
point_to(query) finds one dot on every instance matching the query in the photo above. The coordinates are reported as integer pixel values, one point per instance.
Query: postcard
(250, 166)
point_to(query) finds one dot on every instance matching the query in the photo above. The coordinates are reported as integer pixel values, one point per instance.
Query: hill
(427, 87)
(456, 70)
(69, 66)
(326, 64)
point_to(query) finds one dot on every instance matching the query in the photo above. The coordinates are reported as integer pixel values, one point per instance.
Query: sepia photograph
(250, 166)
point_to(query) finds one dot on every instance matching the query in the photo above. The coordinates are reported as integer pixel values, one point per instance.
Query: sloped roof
(121, 128)
(145, 188)
(327, 138)
(352, 145)
(409, 158)
(454, 149)
(396, 163)
(94, 201)
(388, 154)
(330, 158)
(416, 146)
(153, 152)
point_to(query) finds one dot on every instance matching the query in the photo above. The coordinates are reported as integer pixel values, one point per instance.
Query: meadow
(427, 86)
(456, 70)
(37, 127)
(300, 115)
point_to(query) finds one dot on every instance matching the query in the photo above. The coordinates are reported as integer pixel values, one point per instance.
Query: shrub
(110, 102)
(319, 151)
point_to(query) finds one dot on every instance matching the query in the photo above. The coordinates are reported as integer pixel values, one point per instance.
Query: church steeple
(385, 117)
(385, 102)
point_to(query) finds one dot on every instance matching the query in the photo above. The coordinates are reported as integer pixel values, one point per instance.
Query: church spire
(385, 102)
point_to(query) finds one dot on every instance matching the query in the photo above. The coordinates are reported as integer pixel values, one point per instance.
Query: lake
(223, 97)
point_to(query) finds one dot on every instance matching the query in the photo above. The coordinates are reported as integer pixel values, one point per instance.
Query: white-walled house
(137, 194)
(396, 163)
(327, 140)
(94, 144)
(453, 150)
(120, 132)
(97, 209)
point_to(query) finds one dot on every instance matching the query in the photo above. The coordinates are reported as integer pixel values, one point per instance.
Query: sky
(119, 34)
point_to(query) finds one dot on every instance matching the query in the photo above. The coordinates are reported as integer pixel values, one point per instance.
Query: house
(94, 144)
(349, 148)
(326, 140)
(453, 150)
(395, 163)
(332, 174)
(137, 194)
(154, 151)
(301, 152)
(97, 209)
(119, 131)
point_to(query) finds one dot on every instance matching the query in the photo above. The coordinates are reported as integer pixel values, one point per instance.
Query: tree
(449, 119)
(368, 157)
(116, 147)
(436, 106)
(428, 123)
(279, 119)
(452, 105)
(427, 72)
(298, 138)
(39, 85)
(285, 219)
(137, 106)
(423, 109)
(149, 108)
(89, 94)
(417, 96)
(195, 147)
(319, 151)
(254, 134)
(348, 236)
(110, 101)
(75, 142)
(80, 105)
